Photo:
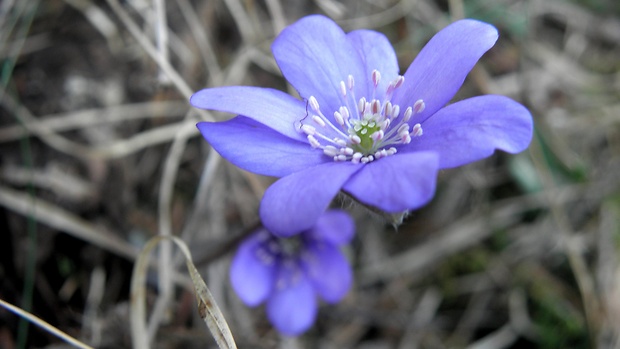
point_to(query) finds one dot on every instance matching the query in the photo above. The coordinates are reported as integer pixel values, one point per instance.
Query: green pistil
(363, 129)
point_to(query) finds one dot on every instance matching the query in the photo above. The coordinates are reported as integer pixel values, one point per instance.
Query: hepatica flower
(289, 273)
(359, 126)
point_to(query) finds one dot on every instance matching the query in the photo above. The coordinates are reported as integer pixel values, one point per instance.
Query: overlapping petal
(328, 270)
(377, 53)
(441, 67)
(292, 309)
(334, 226)
(472, 129)
(314, 55)
(396, 183)
(272, 108)
(259, 149)
(294, 203)
(253, 279)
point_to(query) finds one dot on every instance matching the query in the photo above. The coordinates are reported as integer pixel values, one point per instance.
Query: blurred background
(99, 153)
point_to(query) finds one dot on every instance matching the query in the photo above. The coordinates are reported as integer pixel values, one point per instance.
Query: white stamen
(339, 118)
(330, 150)
(395, 111)
(340, 142)
(351, 82)
(377, 135)
(318, 120)
(376, 105)
(356, 157)
(419, 106)
(370, 122)
(308, 129)
(313, 103)
(387, 110)
(314, 143)
(408, 113)
(347, 151)
(399, 81)
(417, 130)
(404, 128)
(376, 77)
(361, 105)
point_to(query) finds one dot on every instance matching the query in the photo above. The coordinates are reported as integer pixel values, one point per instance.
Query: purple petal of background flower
(292, 309)
(334, 226)
(258, 148)
(251, 278)
(472, 129)
(439, 70)
(396, 183)
(328, 270)
(294, 203)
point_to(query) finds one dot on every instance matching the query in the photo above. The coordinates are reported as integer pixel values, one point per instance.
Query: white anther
(377, 135)
(385, 124)
(404, 128)
(339, 118)
(376, 77)
(341, 157)
(395, 111)
(313, 103)
(343, 89)
(314, 143)
(345, 112)
(364, 160)
(308, 129)
(405, 139)
(355, 139)
(371, 158)
(330, 150)
(361, 105)
(351, 82)
(407, 115)
(399, 81)
(391, 151)
(387, 110)
(356, 157)
(381, 154)
(318, 120)
(417, 130)
(419, 106)
(347, 151)
(376, 106)
(340, 142)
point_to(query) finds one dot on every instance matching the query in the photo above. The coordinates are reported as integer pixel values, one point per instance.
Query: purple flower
(361, 127)
(288, 272)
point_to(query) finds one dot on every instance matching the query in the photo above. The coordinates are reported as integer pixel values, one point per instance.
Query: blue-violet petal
(439, 70)
(259, 149)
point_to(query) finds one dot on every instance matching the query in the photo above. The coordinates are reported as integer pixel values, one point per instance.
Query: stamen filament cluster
(369, 130)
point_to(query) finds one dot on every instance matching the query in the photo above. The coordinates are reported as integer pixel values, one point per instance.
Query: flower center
(361, 130)
(273, 248)
(286, 252)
